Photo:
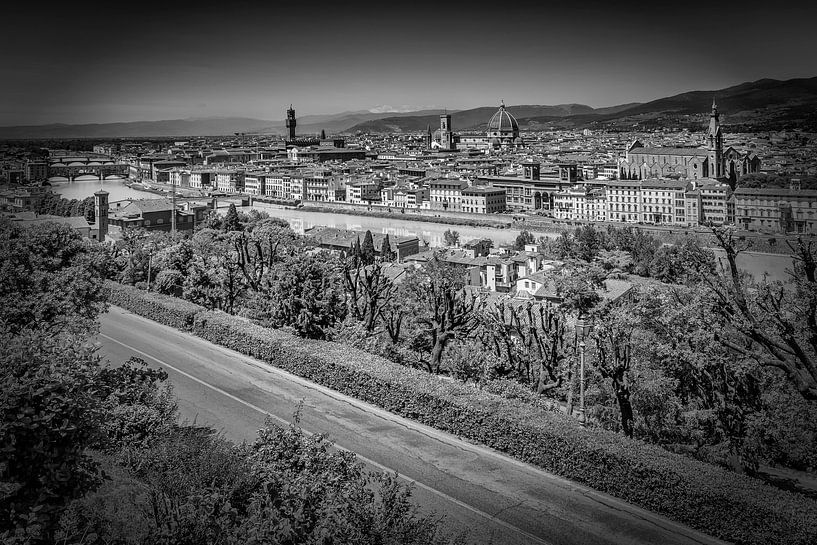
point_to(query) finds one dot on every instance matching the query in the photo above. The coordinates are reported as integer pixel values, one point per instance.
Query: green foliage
(387, 254)
(718, 502)
(287, 487)
(231, 221)
(523, 238)
(57, 404)
(367, 249)
(306, 294)
(49, 278)
(48, 419)
(160, 308)
(451, 238)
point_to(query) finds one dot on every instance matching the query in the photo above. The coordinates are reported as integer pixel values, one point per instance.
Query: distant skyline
(98, 63)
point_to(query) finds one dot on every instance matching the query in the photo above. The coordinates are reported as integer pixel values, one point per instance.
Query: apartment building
(624, 201)
(483, 200)
(580, 203)
(663, 202)
(776, 209)
(446, 194)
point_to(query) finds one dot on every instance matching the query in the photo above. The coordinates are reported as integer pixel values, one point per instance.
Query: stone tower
(428, 137)
(446, 136)
(101, 212)
(714, 142)
(291, 122)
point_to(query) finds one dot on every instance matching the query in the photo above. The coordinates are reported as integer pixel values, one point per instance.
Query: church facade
(689, 163)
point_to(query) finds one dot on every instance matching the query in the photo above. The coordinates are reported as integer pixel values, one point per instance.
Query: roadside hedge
(164, 309)
(723, 504)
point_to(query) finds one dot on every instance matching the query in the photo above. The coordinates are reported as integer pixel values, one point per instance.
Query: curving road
(487, 495)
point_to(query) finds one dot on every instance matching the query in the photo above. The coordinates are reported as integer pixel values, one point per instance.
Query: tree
(367, 254)
(368, 291)
(306, 293)
(587, 243)
(231, 221)
(613, 335)
(442, 309)
(386, 253)
(531, 338)
(323, 134)
(50, 278)
(771, 322)
(451, 238)
(258, 251)
(524, 237)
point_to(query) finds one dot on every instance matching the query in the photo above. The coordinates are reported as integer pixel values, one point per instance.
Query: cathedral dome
(503, 123)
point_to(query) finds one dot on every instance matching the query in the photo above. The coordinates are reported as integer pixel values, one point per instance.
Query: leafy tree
(587, 243)
(451, 238)
(675, 264)
(49, 278)
(367, 253)
(523, 238)
(231, 221)
(306, 293)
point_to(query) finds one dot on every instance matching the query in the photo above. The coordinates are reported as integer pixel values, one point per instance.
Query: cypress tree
(367, 249)
(386, 252)
(231, 221)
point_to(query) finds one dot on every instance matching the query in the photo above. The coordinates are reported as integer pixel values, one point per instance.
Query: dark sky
(89, 63)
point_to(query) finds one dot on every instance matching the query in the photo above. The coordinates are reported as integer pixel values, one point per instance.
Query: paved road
(491, 497)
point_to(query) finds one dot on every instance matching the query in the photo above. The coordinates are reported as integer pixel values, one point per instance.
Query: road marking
(379, 466)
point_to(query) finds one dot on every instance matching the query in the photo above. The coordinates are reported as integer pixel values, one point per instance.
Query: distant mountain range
(766, 104)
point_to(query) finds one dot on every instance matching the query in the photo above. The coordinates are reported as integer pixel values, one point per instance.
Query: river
(80, 189)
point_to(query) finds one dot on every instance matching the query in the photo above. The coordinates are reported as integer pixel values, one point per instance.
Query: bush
(164, 309)
(720, 503)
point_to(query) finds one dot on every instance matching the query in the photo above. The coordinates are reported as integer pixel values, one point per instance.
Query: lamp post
(582, 331)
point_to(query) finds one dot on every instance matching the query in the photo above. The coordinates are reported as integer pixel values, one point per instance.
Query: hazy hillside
(765, 104)
(475, 118)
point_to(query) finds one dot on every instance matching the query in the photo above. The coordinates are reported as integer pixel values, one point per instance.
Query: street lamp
(583, 328)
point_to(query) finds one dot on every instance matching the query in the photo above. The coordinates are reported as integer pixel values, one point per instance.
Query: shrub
(720, 503)
(160, 308)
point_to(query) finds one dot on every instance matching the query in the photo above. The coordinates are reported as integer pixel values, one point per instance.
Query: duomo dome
(503, 129)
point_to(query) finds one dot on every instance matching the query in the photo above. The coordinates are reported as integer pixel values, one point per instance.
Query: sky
(83, 62)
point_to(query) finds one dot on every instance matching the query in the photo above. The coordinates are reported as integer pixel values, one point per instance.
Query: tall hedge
(160, 308)
(723, 504)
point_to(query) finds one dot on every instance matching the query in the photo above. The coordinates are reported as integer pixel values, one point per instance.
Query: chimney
(101, 213)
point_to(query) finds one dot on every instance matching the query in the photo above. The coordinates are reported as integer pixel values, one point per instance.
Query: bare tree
(774, 323)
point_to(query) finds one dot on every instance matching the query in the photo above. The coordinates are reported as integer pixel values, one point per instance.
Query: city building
(708, 161)
(776, 209)
(483, 200)
(446, 194)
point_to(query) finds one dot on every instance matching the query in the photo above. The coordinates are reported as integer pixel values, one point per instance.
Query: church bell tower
(714, 136)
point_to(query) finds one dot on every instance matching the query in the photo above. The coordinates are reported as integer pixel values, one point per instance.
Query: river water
(758, 264)
(80, 189)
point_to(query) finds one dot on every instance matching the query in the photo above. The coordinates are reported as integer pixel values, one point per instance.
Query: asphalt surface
(490, 497)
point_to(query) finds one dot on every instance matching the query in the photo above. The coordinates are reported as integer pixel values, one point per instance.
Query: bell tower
(291, 122)
(101, 212)
(714, 141)
(446, 137)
